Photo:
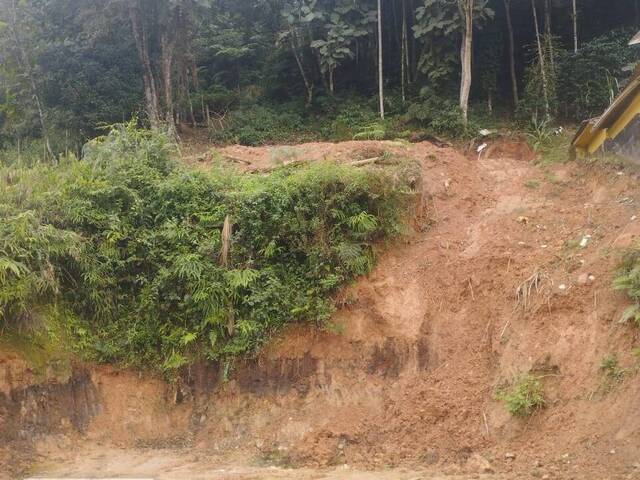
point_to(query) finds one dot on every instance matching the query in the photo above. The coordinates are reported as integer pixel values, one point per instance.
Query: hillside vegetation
(134, 259)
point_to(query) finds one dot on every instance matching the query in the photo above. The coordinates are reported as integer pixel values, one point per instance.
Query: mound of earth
(403, 385)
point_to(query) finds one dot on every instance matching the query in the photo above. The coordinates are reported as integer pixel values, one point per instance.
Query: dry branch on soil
(211, 155)
(536, 283)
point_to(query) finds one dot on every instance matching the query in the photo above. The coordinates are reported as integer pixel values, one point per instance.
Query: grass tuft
(523, 396)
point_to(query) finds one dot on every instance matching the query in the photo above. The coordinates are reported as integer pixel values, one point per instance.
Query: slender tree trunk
(541, 61)
(380, 58)
(574, 15)
(331, 71)
(191, 112)
(167, 46)
(25, 64)
(466, 48)
(549, 35)
(148, 78)
(412, 59)
(512, 55)
(403, 53)
(307, 84)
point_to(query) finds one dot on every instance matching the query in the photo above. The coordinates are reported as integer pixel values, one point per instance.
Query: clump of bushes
(334, 119)
(587, 81)
(523, 396)
(257, 124)
(439, 116)
(125, 246)
(628, 281)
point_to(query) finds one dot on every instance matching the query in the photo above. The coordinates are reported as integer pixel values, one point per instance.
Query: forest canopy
(262, 71)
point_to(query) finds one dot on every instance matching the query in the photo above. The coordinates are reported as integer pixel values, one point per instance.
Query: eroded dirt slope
(407, 380)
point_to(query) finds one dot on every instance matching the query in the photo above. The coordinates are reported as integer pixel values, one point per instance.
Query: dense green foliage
(268, 71)
(126, 246)
(588, 81)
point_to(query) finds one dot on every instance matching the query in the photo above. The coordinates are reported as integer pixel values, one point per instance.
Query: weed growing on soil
(611, 369)
(125, 246)
(628, 281)
(523, 396)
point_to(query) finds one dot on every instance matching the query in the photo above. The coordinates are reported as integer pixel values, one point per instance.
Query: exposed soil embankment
(406, 376)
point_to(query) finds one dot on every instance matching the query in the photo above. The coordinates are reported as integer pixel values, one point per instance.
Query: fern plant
(372, 131)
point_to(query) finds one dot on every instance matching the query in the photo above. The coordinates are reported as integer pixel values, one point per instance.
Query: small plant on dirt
(523, 396)
(628, 281)
(551, 178)
(611, 369)
(532, 184)
(539, 132)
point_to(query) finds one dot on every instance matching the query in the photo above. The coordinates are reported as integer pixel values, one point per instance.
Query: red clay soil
(406, 383)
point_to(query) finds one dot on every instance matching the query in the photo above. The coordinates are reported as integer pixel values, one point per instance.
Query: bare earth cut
(507, 270)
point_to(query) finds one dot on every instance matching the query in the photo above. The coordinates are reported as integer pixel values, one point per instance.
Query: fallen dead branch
(212, 154)
(366, 161)
(536, 283)
(236, 159)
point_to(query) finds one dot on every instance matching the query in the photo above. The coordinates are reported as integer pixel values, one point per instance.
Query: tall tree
(549, 35)
(574, 17)
(298, 17)
(160, 28)
(541, 61)
(141, 35)
(380, 59)
(404, 53)
(512, 56)
(18, 20)
(466, 49)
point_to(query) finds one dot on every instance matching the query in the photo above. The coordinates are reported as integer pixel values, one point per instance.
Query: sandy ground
(172, 464)
(406, 388)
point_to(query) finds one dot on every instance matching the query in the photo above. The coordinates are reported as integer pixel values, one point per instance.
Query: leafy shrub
(587, 81)
(373, 131)
(523, 396)
(261, 125)
(439, 116)
(32, 259)
(128, 244)
(347, 120)
(628, 280)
